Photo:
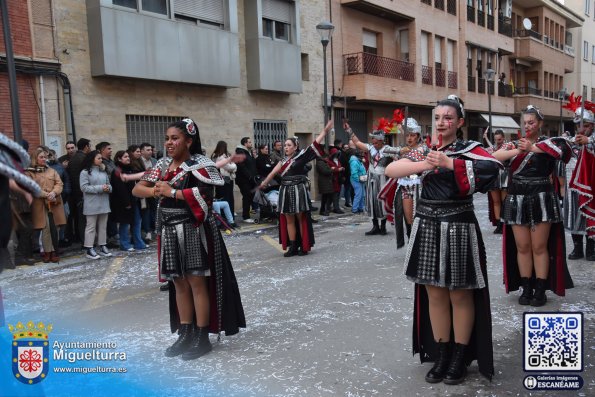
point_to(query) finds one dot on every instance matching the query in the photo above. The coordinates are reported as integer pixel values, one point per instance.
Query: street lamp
(489, 76)
(325, 30)
(561, 96)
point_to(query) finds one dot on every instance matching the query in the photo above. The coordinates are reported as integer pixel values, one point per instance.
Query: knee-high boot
(200, 346)
(577, 252)
(590, 251)
(183, 343)
(375, 229)
(292, 250)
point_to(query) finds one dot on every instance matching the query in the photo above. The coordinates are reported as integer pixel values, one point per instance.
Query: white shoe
(131, 249)
(249, 220)
(92, 254)
(148, 236)
(104, 251)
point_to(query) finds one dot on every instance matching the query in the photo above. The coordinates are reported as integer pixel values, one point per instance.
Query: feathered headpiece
(398, 116)
(575, 105)
(384, 125)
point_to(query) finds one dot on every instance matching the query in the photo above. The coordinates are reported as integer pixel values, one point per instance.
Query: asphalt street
(335, 322)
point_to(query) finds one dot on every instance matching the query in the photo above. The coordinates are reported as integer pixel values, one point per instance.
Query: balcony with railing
(426, 75)
(505, 26)
(470, 14)
(491, 87)
(481, 86)
(439, 4)
(451, 7)
(452, 79)
(505, 90)
(481, 18)
(533, 46)
(364, 63)
(440, 78)
(527, 91)
(490, 22)
(471, 83)
(428, 2)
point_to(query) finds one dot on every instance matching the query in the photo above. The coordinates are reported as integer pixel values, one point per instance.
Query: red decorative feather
(385, 125)
(573, 103)
(398, 116)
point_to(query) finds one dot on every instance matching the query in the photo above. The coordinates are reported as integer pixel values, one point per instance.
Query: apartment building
(237, 67)
(394, 54)
(582, 79)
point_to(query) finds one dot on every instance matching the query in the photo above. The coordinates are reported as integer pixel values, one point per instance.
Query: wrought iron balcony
(471, 83)
(452, 80)
(527, 33)
(440, 77)
(481, 86)
(504, 90)
(490, 22)
(505, 26)
(470, 14)
(439, 4)
(364, 63)
(481, 18)
(426, 74)
(451, 7)
(527, 91)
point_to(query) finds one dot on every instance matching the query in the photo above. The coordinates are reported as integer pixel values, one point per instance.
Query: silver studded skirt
(531, 201)
(445, 249)
(293, 195)
(574, 220)
(183, 245)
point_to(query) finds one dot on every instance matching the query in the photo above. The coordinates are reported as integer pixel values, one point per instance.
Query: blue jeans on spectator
(148, 216)
(346, 190)
(223, 206)
(359, 199)
(137, 239)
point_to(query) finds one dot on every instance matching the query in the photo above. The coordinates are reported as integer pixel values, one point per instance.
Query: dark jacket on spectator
(122, 201)
(67, 188)
(247, 172)
(75, 166)
(325, 176)
(264, 165)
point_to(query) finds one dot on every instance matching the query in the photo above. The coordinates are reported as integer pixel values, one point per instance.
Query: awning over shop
(505, 123)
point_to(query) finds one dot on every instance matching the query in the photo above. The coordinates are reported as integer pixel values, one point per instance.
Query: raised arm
(405, 167)
(270, 176)
(324, 131)
(358, 144)
(485, 136)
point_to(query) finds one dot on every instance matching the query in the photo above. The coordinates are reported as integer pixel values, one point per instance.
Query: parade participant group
(425, 187)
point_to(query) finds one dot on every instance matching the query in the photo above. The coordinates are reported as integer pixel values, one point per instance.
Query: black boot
(301, 252)
(201, 344)
(382, 227)
(577, 252)
(183, 343)
(590, 251)
(539, 297)
(498, 229)
(375, 229)
(438, 371)
(527, 295)
(292, 250)
(408, 228)
(457, 370)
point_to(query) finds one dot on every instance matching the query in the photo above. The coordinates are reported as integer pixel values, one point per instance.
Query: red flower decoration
(385, 125)
(398, 116)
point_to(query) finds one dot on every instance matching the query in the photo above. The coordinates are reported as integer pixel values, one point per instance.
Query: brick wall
(30, 125)
(18, 12)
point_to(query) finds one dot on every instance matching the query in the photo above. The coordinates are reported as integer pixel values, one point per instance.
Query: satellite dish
(527, 23)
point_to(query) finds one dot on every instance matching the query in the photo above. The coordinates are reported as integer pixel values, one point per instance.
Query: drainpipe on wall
(44, 130)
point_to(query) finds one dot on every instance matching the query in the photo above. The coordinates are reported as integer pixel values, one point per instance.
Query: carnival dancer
(13, 161)
(583, 182)
(498, 194)
(191, 251)
(575, 220)
(533, 237)
(380, 156)
(446, 256)
(399, 196)
(295, 220)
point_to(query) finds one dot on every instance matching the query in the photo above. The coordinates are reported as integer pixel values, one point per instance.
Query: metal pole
(326, 140)
(561, 122)
(490, 112)
(12, 80)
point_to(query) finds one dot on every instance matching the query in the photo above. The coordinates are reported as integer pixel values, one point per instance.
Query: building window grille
(151, 129)
(451, 7)
(266, 132)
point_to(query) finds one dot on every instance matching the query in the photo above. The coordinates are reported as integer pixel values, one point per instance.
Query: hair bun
(190, 126)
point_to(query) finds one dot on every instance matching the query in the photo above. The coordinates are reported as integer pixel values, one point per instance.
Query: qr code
(553, 342)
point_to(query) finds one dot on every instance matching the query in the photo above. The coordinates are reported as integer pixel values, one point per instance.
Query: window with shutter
(202, 10)
(277, 10)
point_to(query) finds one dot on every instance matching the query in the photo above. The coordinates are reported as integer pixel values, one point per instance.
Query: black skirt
(293, 195)
(531, 201)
